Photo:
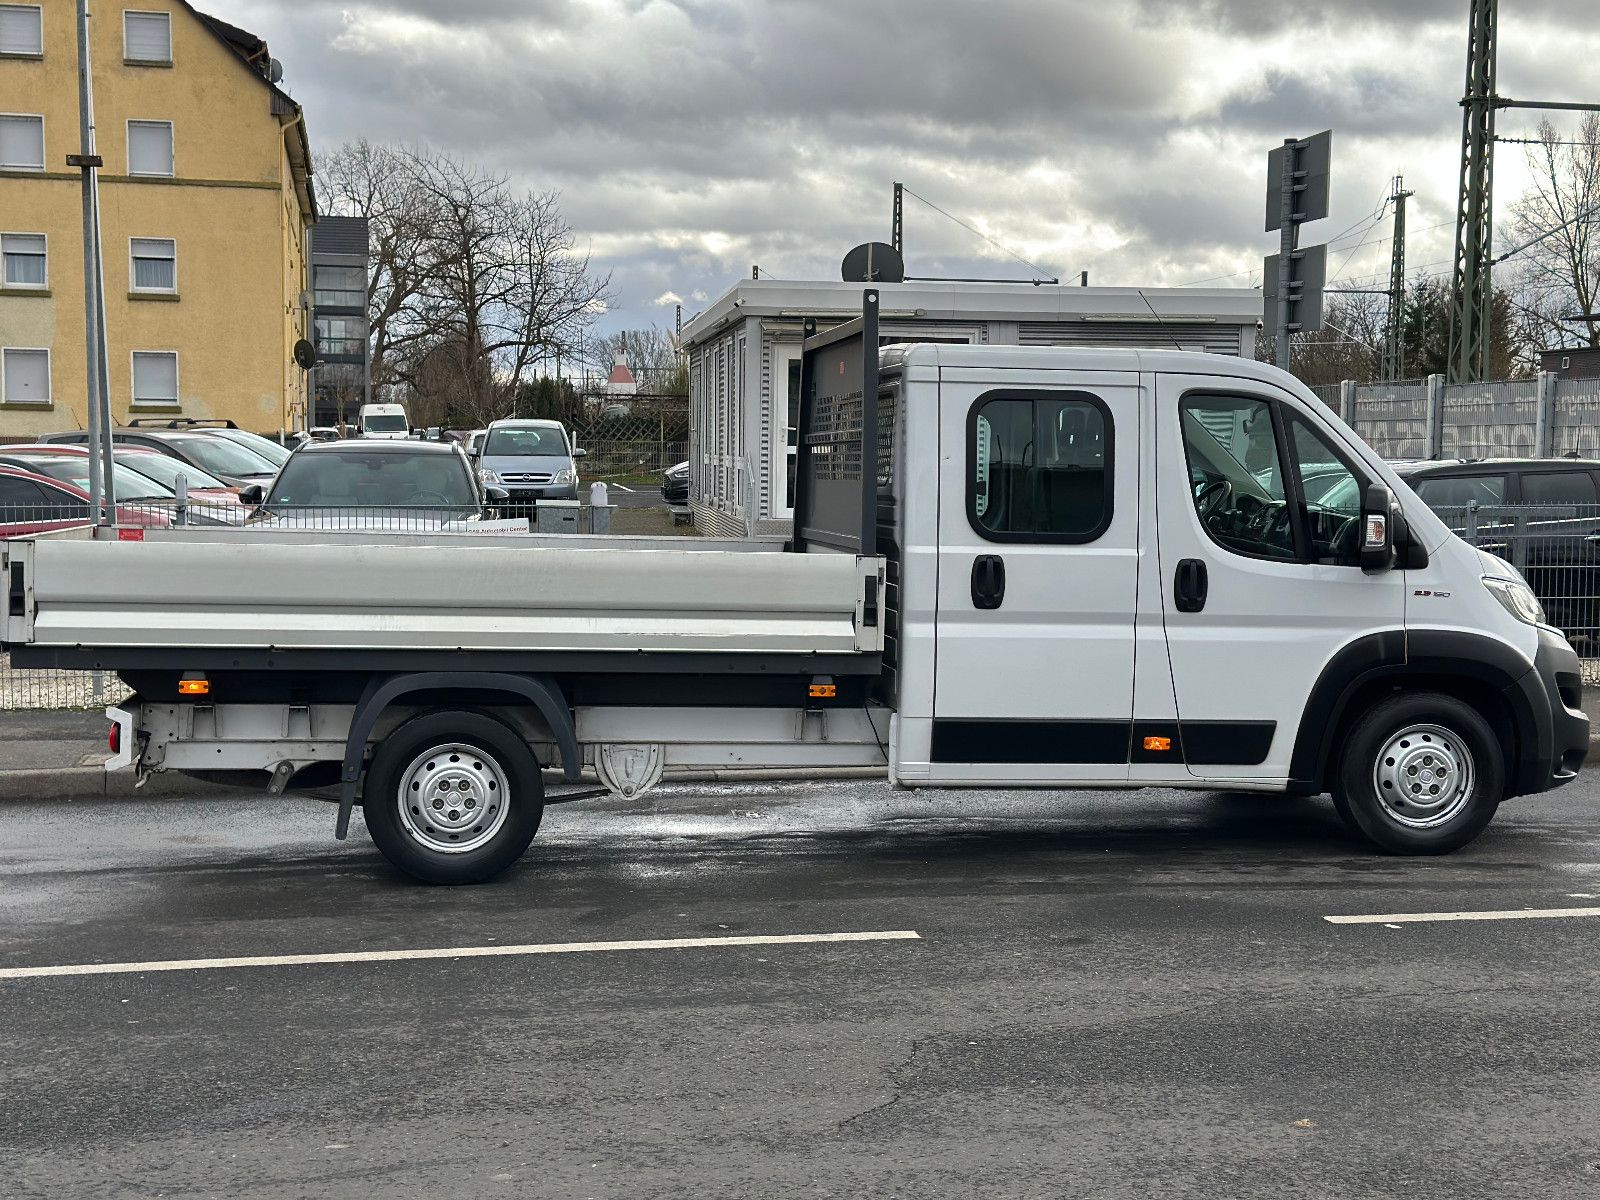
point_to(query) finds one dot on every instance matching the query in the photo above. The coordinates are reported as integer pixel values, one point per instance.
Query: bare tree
(1560, 215)
(473, 285)
(375, 181)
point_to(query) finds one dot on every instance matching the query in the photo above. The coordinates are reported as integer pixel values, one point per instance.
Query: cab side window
(1039, 467)
(1236, 475)
(1331, 495)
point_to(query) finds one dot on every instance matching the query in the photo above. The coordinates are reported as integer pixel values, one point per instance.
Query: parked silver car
(532, 460)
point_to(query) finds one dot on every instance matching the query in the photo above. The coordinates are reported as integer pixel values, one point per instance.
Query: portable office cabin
(744, 362)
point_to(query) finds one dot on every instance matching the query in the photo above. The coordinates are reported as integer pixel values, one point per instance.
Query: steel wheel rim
(453, 798)
(1424, 776)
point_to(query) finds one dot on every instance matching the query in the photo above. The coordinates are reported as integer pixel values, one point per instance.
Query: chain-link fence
(638, 439)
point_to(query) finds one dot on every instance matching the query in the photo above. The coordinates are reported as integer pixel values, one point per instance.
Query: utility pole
(1472, 288)
(102, 491)
(1472, 284)
(1393, 355)
(897, 222)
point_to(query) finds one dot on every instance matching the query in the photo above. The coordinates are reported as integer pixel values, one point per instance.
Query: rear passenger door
(1037, 581)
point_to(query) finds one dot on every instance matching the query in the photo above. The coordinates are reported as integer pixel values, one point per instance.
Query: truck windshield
(385, 423)
(374, 479)
(526, 442)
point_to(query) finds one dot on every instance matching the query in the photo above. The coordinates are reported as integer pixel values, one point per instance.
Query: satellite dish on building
(305, 354)
(873, 262)
(274, 71)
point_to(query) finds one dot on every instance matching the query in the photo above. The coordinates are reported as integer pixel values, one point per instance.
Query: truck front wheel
(1420, 774)
(453, 797)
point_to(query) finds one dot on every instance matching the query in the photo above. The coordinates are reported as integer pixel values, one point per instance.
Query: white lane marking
(1509, 914)
(365, 956)
(620, 488)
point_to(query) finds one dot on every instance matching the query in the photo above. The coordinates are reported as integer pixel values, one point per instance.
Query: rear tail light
(114, 738)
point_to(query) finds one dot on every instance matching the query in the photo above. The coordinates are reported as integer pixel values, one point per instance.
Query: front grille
(528, 478)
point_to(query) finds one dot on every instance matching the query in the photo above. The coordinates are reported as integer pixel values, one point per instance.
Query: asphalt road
(1133, 996)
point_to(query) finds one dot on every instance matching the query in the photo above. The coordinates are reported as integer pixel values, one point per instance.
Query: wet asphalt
(1112, 996)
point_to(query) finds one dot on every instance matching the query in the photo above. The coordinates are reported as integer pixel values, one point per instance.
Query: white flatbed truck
(1011, 567)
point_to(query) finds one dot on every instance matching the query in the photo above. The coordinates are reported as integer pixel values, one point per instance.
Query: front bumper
(1554, 748)
(527, 497)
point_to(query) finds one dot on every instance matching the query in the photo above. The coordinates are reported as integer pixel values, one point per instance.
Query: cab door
(1259, 507)
(1037, 578)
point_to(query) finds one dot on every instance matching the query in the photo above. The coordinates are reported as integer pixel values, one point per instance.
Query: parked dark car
(1542, 515)
(675, 486)
(272, 451)
(377, 485)
(236, 465)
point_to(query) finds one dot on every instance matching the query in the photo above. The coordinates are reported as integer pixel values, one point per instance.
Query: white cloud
(693, 138)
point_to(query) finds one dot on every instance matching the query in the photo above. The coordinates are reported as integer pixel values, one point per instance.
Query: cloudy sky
(691, 139)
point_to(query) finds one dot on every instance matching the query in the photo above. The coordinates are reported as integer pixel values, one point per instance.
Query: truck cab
(1160, 568)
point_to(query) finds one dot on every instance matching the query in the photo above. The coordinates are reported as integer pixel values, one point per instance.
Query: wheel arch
(382, 691)
(1479, 670)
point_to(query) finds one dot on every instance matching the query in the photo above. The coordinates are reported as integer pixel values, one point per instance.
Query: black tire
(1429, 744)
(489, 803)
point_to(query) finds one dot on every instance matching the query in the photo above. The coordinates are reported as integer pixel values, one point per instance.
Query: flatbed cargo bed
(279, 600)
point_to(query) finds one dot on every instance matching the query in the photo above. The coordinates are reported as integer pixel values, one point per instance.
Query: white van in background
(384, 421)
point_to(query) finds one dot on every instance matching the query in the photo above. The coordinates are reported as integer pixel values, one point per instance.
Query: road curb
(88, 783)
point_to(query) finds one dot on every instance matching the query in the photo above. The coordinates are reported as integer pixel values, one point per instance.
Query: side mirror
(578, 452)
(1377, 542)
(252, 495)
(495, 495)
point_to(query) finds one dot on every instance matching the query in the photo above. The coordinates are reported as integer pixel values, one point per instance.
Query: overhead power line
(979, 233)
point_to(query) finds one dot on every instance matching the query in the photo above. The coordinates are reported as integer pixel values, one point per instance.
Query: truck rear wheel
(1420, 774)
(453, 797)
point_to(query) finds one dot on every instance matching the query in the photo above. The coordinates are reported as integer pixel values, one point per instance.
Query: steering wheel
(1343, 543)
(1277, 522)
(1209, 499)
(420, 499)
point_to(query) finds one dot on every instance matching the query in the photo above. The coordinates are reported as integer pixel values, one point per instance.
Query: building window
(1039, 467)
(341, 337)
(155, 377)
(26, 376)
(21, 142)
(155, 264)
(147, 37)
(150, 148)
(21, 30)
(23, 256)
(340, 287)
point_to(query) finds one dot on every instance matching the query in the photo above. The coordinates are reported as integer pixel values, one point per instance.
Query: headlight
(563, 476)
(487, 476)
(1517, 598)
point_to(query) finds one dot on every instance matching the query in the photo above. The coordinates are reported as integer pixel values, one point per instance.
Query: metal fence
(1542, 417)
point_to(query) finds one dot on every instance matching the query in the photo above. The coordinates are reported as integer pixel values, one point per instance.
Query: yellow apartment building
(206, 199)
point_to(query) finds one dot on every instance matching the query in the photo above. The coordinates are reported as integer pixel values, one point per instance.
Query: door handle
(988, 581)
(1190, 586)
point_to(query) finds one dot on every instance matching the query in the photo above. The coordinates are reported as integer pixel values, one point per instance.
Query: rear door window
(1460, 491)
(1039, 467)
(1559, 487)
